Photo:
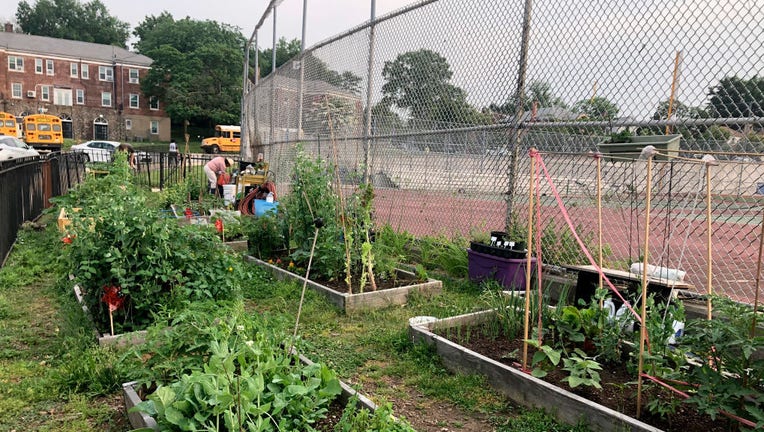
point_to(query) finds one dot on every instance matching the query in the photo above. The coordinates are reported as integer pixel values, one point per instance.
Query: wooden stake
(709, 221)
(598, 157)
(342, 217)
(531, 183)
(643, 317)
(673, 91)
(111, 321)
(758, 279)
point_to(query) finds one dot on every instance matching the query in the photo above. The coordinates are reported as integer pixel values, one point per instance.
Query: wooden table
(588, 282)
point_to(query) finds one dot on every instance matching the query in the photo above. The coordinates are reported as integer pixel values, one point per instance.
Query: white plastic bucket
(229, 193)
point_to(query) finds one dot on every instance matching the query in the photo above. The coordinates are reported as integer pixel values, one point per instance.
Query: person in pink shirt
(214, 168)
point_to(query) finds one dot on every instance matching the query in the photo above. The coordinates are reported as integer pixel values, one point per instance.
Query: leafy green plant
(664, 404)
(582, 369)
(544, 359)
(729, 373)
(238, 375)
(119, 241)
(265, 235)
(356, 419)
(312, 197)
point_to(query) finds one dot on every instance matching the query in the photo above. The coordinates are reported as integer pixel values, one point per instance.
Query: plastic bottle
(678, 327)
(659, 272)
(609, 306)
(622, 317)
(269, 197)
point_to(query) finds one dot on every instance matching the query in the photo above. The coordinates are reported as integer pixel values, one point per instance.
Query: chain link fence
(439, 103)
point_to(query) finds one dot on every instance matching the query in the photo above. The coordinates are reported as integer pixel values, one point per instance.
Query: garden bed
(106, 339)
(527, 390)
(366, 300)
(237, 245)
(138, 419)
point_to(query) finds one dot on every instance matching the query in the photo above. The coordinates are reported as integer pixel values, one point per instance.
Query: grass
(32, 338)
(54, 377)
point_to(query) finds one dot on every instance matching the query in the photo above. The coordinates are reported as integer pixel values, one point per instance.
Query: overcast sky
(325, 18)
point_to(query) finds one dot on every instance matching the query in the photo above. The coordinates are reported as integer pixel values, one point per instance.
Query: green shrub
(235, 373)
(120, 241)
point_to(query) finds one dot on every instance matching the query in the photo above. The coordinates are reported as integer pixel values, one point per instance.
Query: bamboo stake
(111, 320)
(598, 157)
(709, 306)
(673, 91)
(342, 216)
(643, 317)
(758, 279)
(531, 180)
(537, 245)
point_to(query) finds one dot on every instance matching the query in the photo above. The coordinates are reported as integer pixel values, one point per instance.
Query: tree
(332, 114)
(679, 112)
(70, 19)
(196, 69)
(285, 51)
(735, 97)
(384, 120)
(316, 69)
(596, 108)
(418, 81)
(538, 92)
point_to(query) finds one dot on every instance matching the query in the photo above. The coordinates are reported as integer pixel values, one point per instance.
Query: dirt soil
(619, 386)
(425, 414)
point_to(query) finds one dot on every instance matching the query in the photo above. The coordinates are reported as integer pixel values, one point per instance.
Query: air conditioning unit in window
(31, 93)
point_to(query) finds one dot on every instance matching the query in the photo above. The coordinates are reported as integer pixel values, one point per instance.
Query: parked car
(97, 151)
(13, 148)
(143, 156)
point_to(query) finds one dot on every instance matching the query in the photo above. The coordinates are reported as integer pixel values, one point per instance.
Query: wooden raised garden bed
(519, 386)
(366, 300)
(141, 420)
(106, 339)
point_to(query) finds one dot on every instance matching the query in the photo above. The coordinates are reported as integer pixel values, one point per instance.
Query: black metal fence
(26, 186)
(159, 170)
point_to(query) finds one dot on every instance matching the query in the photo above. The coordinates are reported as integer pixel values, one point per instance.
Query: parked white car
(13, 148)
(97, 151)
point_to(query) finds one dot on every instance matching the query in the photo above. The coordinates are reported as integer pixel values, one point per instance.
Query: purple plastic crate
(507, 271)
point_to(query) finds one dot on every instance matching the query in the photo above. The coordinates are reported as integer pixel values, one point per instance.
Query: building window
(128, 124)
(73, 72)
(154, 127)
(62, 96)
(134, 76)
(45, 93)
(38, 66)
(106, 99)
(105, 73)
(49, 67)
(154, 103)
(134, 101)
(15, 63)
(80, 97)
(16, 90)
(85, 72)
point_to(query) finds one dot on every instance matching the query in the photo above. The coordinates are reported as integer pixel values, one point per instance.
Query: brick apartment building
(94, 88)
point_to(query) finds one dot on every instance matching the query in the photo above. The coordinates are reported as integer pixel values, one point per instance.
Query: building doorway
(66, 126)
(100, 129)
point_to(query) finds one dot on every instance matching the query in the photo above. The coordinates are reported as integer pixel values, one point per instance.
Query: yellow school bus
(9, 126)
(226, 139)
(43, 131)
